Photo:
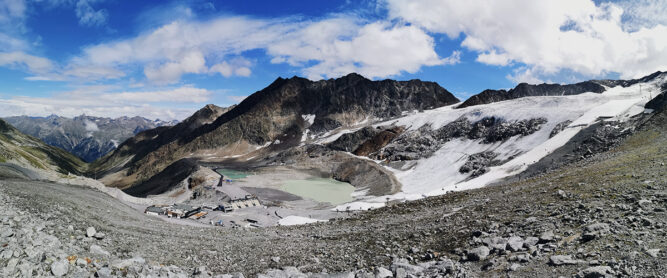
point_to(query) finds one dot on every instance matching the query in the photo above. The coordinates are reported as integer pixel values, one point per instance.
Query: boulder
(530, 241)
(497, 243)
(90, 232)
(597, 272)
(546, 236)
(479, 253)
(382, 272)
(59, 268)
(97, 250)
(514, 244)
(562, 260)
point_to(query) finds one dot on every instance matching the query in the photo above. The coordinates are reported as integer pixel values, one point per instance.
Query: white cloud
(89, 16)
(547, 36)
(102, 101)
(31, 63)
(235, 67)
(170, 72)
(338, 46)
(325, 48)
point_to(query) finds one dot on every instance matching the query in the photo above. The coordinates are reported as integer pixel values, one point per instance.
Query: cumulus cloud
(338, 46)
(546, 36)
(170, 72)
(104, 101)
(325, 48)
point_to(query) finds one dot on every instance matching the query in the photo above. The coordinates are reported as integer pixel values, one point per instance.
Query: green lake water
(321, 190)
(233, 174)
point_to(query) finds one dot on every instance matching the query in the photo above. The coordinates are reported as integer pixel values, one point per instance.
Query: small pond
(321, 190)
(233, 174)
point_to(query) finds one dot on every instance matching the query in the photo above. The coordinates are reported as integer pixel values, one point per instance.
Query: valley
(425, 187)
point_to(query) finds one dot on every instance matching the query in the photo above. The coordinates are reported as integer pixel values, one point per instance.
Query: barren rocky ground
(601, 217)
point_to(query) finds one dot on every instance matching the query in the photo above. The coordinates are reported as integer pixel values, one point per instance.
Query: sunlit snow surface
(297, 220)
(439, 173)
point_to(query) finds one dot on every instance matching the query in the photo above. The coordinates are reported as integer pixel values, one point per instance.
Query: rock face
(425, 141)
(366, 140)
(528, 90)
(84, 136)
(280, 112)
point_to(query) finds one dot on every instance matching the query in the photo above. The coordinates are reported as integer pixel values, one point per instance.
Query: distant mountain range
(87, 137)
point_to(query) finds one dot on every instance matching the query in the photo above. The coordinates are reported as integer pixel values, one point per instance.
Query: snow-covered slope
(439, 173)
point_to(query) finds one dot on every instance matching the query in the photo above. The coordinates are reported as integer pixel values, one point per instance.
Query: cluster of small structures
(181, 210)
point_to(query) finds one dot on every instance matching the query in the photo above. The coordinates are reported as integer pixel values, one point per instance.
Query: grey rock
(97, 250)
(597, 272)
(530, 241)
(382, 272)
(104, 272)
(99, 235)
(514, 244)
(562, 260)
(81, 262)
(479, 253)
(7, 233)
(59, 268)
(643, 203)
(401, 273)
(546, 236)
(90, 232)
(594, 231)
(497, 243)
(653, 252)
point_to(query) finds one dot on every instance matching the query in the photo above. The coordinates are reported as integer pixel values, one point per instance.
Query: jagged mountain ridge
(147, 141)
(281, 112)
(87, 137)
(528, 90)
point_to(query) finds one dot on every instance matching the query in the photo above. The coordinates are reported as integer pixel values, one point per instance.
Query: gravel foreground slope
(602, 217)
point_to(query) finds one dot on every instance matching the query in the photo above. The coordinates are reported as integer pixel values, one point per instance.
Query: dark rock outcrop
(659, 102)
(477, 164)
(378, 141)
(349, 142)
(559, 127)
(366, 140)
(424, 141)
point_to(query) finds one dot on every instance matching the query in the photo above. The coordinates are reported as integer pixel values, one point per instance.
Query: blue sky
(161, 59)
